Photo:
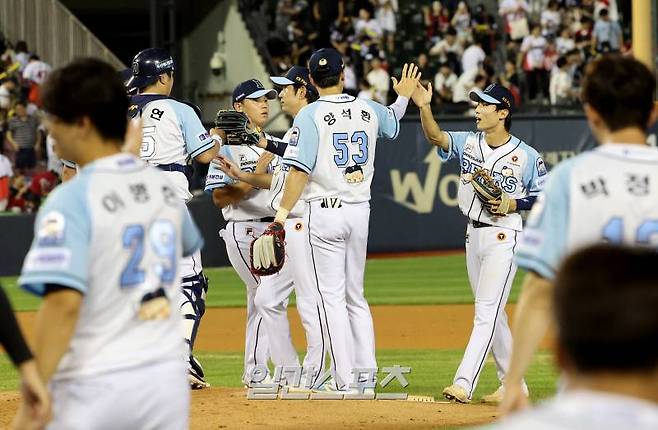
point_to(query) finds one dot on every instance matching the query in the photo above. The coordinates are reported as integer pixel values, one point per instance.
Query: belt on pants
(478, 224)
(265, 219)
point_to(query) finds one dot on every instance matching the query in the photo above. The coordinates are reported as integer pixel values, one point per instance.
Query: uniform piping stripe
(260, 320)
(493, 330)
(322, 354)
(317, 286)
(202, 148)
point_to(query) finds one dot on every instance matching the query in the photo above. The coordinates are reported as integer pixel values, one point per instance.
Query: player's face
(257, 110)
(289, 100)
(486, 116)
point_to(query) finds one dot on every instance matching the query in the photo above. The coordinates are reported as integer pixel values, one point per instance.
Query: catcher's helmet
(148, 65)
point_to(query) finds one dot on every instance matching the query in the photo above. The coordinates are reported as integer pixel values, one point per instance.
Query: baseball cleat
(496, 397)
(456, 393)
(195, 374)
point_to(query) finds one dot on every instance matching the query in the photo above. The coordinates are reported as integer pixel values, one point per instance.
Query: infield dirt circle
(396, 327)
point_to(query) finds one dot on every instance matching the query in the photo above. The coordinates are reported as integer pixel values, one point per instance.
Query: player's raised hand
(227, 166)
(422, 96)
(408, 80)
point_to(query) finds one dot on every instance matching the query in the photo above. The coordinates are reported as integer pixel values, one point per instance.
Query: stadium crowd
(536, 48)
(28, 165)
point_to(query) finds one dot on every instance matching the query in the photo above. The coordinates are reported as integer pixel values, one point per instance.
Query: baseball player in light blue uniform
(491, 237)
(105, 258)
(609, 194)
(173, 135)
(330, 155)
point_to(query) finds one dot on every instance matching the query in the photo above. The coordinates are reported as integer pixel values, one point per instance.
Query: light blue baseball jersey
(256, 204)
(334, 140)
(114, 233)
(172, 134)
(609, 194)
(515, 166)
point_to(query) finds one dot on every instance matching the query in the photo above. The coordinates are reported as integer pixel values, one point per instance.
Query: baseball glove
(236, 126)
(486, 189)
(268, 252)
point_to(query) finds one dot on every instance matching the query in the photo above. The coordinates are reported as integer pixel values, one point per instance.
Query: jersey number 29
(162, 239)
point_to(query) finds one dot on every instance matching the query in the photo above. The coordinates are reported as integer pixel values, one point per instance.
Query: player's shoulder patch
(541, 167)
(294, 136)
(51, 229)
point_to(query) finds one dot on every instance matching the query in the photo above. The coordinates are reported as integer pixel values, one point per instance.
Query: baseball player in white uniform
(173, 135)
(491, 238)
(105, 257)
(330, 155)
(609, 194)
(274, 290)
(247, 211)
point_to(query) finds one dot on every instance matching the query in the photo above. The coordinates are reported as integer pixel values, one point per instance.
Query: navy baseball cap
(495, 94)
(297, 75)
(148, 65)
(252, 89)
(325, 62)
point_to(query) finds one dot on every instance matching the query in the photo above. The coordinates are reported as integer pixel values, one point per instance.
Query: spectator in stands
(350, 80)
(35, 74)
(6, 173)
(444, 83)
(606, 36)
(565, 42)
(449, 50)
(385, 11)
(17, 189)
(380, 80)
(561, 87)
(40, 186)
(583, 36)
(484, 28)
(461, 21)
(437, 21)
(515, 15)
(366, 90)
(22, 55)
(550, 20)
(23, 136)
(550, 56)
(576, 63)
(532, 50)
(473, 57)
(326, 14)
(367, 26)
(424, 68)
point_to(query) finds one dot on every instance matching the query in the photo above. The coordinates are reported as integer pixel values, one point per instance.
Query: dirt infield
(397, 327)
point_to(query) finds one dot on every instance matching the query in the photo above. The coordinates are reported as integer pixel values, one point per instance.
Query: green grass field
(414, 280)
(401, 281)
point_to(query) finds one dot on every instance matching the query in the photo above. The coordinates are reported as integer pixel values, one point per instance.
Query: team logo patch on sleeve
(541, 167)
(204, 136)
(294, 137)
(51, 229)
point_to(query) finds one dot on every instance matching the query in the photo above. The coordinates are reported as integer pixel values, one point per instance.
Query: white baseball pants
(272, 298)
(238, 237)
(153, 396)
(338, 234)
(491, 270)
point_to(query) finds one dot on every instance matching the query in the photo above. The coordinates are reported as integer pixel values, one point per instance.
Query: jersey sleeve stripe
(397, 125)
(203, 148)
(531, 263)
(35, 283)
(298, 164)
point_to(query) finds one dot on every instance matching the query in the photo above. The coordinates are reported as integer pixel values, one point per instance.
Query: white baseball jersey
(172, 134)
(257, 203)
(585, 410)
(114, 233)
(279, 181)
(516, 167)
(37, 72)
(609, 194)
(334, 140)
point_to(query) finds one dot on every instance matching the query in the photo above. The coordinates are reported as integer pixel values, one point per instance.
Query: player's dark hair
(327, 81)
(605, 303)
(621, 90)
(92, 88)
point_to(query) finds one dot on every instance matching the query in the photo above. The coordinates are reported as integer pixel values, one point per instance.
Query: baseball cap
(325, 62)
(148, 65)
(495, 94)
(252, 89)
(297, 75)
